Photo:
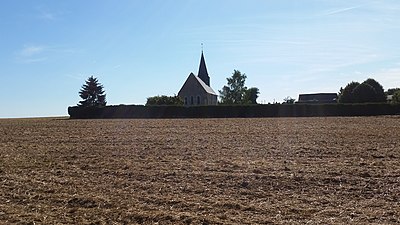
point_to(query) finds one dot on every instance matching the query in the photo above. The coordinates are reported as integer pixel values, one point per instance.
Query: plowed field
(200, 171)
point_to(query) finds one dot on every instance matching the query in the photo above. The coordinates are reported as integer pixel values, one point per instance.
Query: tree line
(236, 93)
(369, 91)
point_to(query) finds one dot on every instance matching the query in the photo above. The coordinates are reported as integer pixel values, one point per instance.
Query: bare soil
(200, 171)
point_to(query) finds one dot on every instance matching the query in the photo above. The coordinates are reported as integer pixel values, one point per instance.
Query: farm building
(196, 90)
(318, 98)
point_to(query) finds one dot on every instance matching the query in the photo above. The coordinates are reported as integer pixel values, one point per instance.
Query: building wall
(193, 93)
(199, 99)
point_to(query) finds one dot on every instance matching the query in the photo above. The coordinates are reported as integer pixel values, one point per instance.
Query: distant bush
(288, 100)
(396, 97)
(164, 100)
(391, 91)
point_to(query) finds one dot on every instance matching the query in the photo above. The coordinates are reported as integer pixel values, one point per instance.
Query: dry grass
(205, 171)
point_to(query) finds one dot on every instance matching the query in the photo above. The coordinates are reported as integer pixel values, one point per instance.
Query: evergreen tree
(92, 94)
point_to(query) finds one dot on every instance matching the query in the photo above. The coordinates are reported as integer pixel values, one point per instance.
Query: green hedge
(234, 111)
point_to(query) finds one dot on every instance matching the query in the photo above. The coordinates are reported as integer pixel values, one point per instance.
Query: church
(197, 90)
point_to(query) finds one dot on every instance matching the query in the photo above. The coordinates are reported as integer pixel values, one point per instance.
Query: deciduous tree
(251, 95)
(235, 92)
(346, 94)
(380, 95)
(368, 91)
(364, 93)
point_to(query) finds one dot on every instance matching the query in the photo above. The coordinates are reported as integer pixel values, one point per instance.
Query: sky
(143, 48)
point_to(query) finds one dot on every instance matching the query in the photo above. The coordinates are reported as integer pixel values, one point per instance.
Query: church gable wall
(192, 93)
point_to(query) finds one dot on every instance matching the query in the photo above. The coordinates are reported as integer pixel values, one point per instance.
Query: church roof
(203, 74)
(207, 88)
(190, 81)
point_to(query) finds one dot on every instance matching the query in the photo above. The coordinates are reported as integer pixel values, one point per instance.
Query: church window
(198, 100)
(186, 100)
(191, 100)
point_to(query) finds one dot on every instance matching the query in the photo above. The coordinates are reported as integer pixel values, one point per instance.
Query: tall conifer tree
(92, 93)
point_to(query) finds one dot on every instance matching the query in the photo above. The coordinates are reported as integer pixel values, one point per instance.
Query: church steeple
(203, 74)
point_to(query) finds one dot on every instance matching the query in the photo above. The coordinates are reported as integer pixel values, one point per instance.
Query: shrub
(396, 97)
(164, 100)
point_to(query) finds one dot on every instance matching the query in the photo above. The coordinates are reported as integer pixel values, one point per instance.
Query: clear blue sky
(144, 48)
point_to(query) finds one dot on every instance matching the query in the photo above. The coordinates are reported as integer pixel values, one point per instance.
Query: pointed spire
(203, 74)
